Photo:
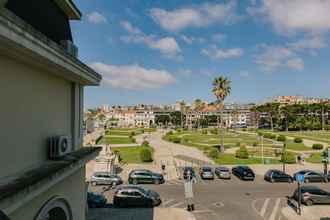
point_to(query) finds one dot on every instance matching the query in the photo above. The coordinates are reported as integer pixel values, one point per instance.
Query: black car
(312, 195)
(145, 176)
(243, 172)
(135, 196)
(95, 200)
(187, 170)
(206, 173)
(277, 176)
(311, 176)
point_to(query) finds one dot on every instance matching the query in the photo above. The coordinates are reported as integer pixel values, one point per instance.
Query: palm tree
(182, 110)
(221, 89)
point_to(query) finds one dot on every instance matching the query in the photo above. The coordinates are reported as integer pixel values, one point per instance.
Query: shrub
(267, 135)
(169, 133)
(142, 131)
(145, 143)
(178, 130)
(298, 140)
(204, 131)
(146, 155)
(132, 133)
(175, 140)
(242, 153)
(255, 144)
(244, 129)
(273, 136)
(260, 133)
(288, 157)
(238, 144)
(133, 140)
(214, 131)
(213, 153)
(317, 146)
(281, 138)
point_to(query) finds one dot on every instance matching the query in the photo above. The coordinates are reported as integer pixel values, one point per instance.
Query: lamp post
(283, 156)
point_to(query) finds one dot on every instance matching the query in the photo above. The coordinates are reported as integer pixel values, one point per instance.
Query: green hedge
(213, 153)
(281, 138)
(145, 143)
(146, 155)
(242, 153)
(97, 141)
(175, 140)
(298, 140)
(317, 146)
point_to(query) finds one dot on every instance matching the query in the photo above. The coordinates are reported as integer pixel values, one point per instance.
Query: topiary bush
(238, 144)
(281, 138)
(255, 144)
(297, 140)
(132, 133)
(169, 133)
(146, 155)
(213, 153)
(214, 131)
(145, 143)
(288, 157)
(317, 146)
(204, 131)
(175, 140)
(242, 153)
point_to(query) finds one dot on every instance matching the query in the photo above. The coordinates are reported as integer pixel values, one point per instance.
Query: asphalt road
(228, 199)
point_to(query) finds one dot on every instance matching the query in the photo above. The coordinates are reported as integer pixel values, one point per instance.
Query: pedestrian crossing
(270, 208)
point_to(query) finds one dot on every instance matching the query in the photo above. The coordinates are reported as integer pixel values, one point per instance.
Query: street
(227, 199)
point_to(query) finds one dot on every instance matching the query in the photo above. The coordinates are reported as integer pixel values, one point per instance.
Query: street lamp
(262, 148)
(283, 156)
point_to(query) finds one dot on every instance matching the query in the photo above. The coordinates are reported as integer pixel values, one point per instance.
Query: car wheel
(157, 182)
(135, 182)
(309, 202)
(94, 183)
(326, 180)
(272, 180)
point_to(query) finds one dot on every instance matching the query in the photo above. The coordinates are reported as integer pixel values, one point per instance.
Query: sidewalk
(139, 214)
(316, 212)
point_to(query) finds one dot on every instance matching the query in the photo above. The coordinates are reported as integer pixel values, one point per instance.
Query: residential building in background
(42, 172)
(290, 100)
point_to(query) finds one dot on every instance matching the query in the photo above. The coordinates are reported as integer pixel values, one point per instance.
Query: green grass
(116, 140)
(129, 131)
(231, 159)
(296, 146)
(322, 136)
(130, 154)
(314, 158)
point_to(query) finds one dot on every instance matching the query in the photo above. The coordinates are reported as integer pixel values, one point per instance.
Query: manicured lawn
(314, 158)
(130, 154)
(323, 136)
(116, 140)
(297, 146)
(129, 131)
(231, 159)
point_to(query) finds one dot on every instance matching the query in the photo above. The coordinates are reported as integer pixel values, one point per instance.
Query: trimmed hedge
(169, 133)
(175, 140)
(214, 131)
(97, 141)
(281, 138)
(317, 146)
(145, 143)
(213, 153)
(242, 153)
(146, 155)
(204, 131)
(269, 135)
(298, 140)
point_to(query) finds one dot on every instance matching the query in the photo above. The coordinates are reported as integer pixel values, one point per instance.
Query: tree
(162, 119)
(221, 89)
(272, 110)
(182, 110)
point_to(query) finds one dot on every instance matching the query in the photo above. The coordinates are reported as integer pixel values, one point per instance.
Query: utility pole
(262, 149)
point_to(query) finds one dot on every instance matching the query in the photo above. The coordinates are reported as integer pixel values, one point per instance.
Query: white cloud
(133, 77)
(195, 16)
(289, 16)
(184, 72)
(269, 58)
(129, 27)
(190, 39)
(296, 63)
(311, 43)
(220, 54)
(168, 46)
(219, 37)
(96, 18)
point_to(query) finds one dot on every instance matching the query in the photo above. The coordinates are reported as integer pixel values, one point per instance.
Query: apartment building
(42, 161)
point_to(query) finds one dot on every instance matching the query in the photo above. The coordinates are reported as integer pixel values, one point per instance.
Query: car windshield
(207, 169)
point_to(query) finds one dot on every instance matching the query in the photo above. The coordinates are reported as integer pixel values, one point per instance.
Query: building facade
(41, 91)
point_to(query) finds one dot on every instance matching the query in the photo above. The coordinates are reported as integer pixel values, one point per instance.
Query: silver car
(105, 178)
(222, 173)
(206, 173)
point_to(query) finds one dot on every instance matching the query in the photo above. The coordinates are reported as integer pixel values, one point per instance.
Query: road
(227, 199)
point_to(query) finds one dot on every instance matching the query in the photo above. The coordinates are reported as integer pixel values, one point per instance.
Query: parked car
(206, 172)
(135, 196)
(187, 170)
(145, 176)
(222, 172)
(311, 176)
(105, 178)
(277, 176)
(243, 172)
(312, 195)
(95, 200)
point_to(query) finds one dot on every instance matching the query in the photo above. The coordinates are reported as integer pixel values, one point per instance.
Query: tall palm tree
(221, 89)
(182, 111)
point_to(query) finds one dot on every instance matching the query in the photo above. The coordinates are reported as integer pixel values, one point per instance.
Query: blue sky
(157, 51)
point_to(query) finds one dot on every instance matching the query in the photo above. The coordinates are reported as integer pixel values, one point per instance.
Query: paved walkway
(316, 212)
